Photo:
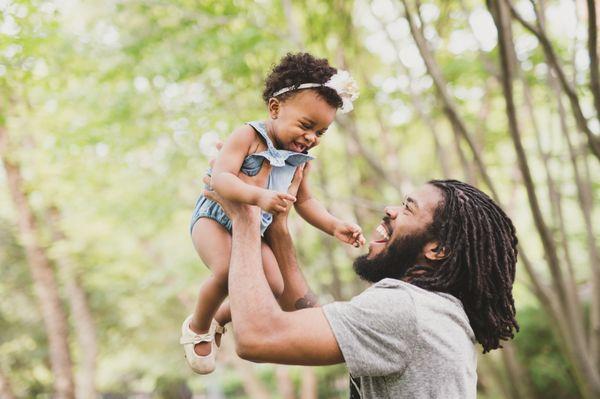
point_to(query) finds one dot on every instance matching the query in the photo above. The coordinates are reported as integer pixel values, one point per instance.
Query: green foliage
(172, 388)
(540, 353)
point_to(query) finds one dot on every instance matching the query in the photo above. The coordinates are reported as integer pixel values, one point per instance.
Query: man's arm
(263, 332)
(296, 293)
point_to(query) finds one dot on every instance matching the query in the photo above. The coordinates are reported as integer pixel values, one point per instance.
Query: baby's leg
(273, 276)
(213, 243)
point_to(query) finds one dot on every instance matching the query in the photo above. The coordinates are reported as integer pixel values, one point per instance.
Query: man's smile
(381, 236)
(383, 233)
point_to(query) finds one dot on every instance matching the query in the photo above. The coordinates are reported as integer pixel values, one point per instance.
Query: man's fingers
(218, 145)
(307, 167)
(280, 208)
(298, 175)
(287, 197)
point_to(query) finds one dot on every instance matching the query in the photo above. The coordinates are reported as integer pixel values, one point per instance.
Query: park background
(109, 111)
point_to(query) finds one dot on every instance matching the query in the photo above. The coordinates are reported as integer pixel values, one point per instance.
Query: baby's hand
(275, 202)
(349, 233)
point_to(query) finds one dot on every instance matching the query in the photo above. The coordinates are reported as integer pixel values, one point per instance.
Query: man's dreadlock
(479, 267)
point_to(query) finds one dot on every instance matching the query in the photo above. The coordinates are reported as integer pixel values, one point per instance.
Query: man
(442, 264)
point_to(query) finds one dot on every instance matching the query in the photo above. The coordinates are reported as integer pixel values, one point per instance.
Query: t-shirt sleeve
(376, 331)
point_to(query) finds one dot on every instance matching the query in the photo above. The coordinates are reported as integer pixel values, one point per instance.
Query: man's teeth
(382, 232)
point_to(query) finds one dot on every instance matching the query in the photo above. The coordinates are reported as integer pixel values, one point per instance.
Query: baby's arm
(315, 213)
(226, 182)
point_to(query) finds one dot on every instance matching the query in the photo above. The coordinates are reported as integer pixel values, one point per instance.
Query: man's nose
(391, 211)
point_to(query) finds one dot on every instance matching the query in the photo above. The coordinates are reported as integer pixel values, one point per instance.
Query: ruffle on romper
(284, 164)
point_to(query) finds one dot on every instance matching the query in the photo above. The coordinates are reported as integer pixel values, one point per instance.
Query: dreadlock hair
(480, 244)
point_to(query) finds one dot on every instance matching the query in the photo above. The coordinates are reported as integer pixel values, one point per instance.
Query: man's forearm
(296, 293)
(251, 299)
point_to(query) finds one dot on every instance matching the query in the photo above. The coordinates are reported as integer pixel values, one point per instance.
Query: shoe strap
(219, 329)
(196, 339)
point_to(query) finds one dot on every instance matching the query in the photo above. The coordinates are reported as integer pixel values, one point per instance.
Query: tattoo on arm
(309, 300)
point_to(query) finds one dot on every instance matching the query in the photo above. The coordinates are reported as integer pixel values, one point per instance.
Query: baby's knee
(221, 277)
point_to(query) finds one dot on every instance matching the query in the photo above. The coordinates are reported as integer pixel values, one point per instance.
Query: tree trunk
(501, 20)
(6, 391)
(53, 314)
(309, 384)
(554, 64)
(285, 384)
(554, 193)
(593, 51)
(518, 377)
(82, 317)
(585, 206)
(489, 368)
(583, 184)
(416, 101)
(448, 105)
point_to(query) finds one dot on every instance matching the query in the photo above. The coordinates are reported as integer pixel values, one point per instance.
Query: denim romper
(283, 164)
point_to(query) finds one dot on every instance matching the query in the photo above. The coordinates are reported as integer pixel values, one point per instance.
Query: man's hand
(301, 172)
(280, 218)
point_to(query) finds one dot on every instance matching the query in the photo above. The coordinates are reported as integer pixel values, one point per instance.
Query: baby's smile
(297, 147)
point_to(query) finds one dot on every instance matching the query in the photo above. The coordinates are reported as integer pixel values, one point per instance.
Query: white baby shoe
(200, 364)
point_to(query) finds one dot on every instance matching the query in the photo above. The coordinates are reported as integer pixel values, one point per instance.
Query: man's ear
(434, 251)
(273, 106)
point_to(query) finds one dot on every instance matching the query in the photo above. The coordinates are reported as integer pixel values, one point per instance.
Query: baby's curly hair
(295, 69)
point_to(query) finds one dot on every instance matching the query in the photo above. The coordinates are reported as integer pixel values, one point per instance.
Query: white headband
(341, 82)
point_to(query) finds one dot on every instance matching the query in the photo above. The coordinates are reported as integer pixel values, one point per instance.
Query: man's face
(397, 243)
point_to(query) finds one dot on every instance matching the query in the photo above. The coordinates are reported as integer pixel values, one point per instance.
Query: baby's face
(302, 120)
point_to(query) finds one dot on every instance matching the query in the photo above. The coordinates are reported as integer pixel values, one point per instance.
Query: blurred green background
(108, 115)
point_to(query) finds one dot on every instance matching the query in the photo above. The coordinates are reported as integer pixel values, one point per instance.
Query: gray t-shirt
(401, 341)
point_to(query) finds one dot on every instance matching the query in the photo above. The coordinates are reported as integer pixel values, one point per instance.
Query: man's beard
(394, 261)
